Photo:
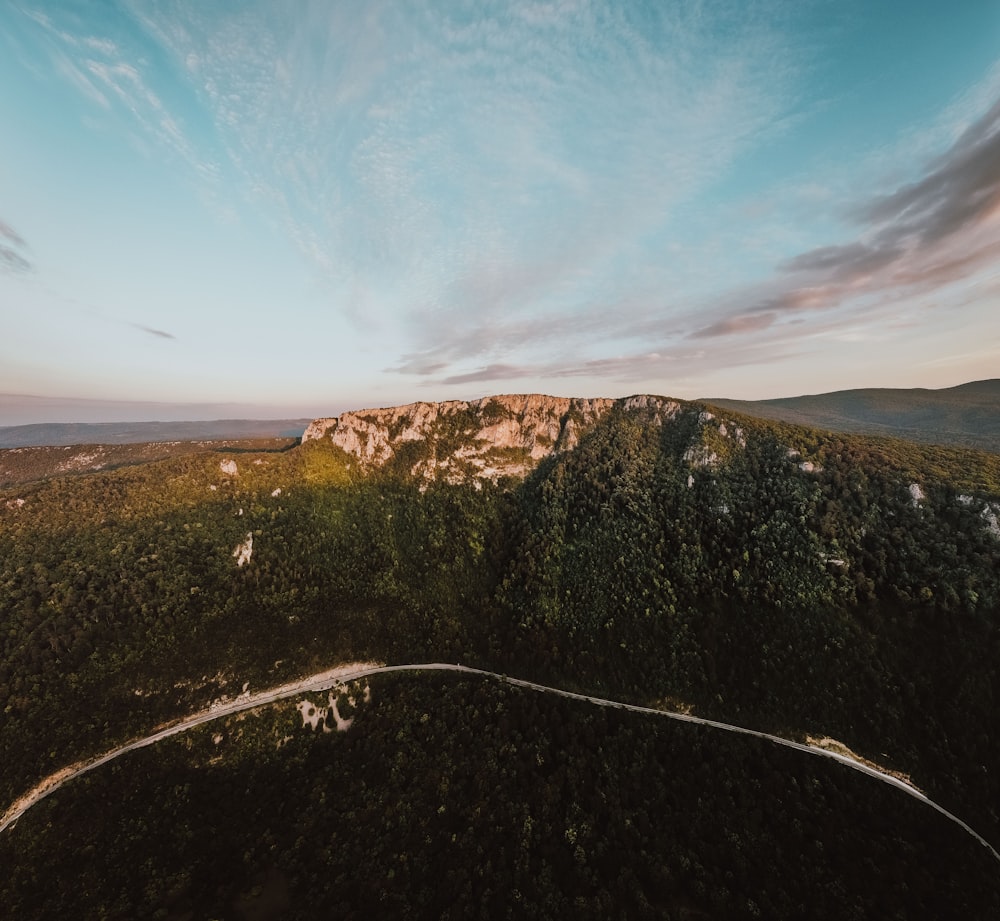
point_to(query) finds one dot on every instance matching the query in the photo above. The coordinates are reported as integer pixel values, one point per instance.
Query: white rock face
(505, 435)
(992, 521)
(314, 717)
(318, 428)
(229, 467)
(916, 494)
(500, 436)
(990, 513)
(663, 410)
(83, 460)
(699, 455)
(244, 551)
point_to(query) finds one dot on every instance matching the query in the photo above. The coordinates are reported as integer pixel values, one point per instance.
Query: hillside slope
(967, 415)
(19, 466)
(559, 809)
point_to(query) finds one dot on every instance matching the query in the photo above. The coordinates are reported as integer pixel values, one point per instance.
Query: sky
(297, 207)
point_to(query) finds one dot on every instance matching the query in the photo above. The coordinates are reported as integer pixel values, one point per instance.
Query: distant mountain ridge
(967, 415)
(48, 434)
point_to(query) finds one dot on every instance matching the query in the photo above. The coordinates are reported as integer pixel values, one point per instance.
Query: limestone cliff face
(496, 436)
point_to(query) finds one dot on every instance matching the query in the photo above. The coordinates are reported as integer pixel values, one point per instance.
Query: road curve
(346, 673)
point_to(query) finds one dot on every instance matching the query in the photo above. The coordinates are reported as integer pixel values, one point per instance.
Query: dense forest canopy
(464, 798)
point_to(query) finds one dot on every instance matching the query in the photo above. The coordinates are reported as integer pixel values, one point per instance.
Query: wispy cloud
(12, 250)
(153, 332)
(8, 233)
(497, 372)
(915, 240)
(12, 245)
(959, 191)
(114, 73)
(477, 170)
(740, 324)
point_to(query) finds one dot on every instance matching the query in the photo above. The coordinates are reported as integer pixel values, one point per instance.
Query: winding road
(350, 672)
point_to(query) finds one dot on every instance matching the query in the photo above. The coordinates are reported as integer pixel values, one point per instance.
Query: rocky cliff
(496, 436)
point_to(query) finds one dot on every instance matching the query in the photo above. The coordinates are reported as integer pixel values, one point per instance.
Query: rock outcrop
(489, 438)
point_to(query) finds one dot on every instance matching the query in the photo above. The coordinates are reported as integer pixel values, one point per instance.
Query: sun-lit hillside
(967, 415)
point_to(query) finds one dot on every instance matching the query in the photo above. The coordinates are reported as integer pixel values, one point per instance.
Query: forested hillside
(762, 574)
(19, 466)
(458, 798)
(967, 415)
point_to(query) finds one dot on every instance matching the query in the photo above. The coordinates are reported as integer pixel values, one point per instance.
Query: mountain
(967, 415)
(47, 434)
(662, 553)
(504, 435)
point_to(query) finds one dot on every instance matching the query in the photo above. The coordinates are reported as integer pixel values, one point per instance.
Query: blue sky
(296, 208)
